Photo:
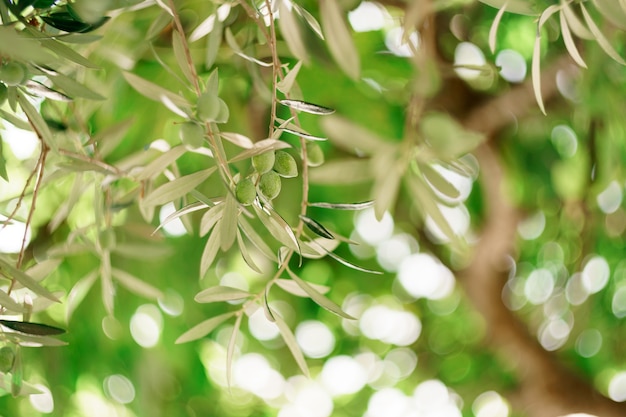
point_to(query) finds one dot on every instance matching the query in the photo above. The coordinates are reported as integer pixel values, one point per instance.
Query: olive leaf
(307, 107)
(220, 293)
(318, 298)
(37, 329)
(203, 328)
(316, 227)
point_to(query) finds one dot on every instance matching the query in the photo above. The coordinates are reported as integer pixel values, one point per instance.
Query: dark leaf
(307, 107)
(32, 328)
(317, 228)
(67, 22)
(43, 4)
(344, 206)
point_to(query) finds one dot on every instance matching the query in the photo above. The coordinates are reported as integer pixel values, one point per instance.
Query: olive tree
(261, 130)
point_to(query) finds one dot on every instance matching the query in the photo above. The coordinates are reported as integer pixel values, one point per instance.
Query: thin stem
(196, 85)
(276, 71)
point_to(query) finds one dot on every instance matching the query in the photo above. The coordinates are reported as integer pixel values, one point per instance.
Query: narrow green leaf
(190, 208)
(27, 281)
(536, 72)
(78, 292)
(39, 125)
(232, 43)
(352, 136)
(210, 218)
(351, 265)
(228, 224)
(316, 227)
(3, 164)
(285, 85)
(245, 254)
(277, 226)
(310, 20)
(37, 329)
(570, 45)
(438, 181)
(290, 29)
(204, 328)
(203, 29)
(307, 107)
(256, 239)
(15, 121)
(389, 168)
(575, 24)
(340, 41)
(136, 285)
(72, 87)
(160, 164)
(230, 350)
(63, 51)
(237, 139)
(260, 147)
(41, 90)
(9, 304)
(107, 139)
(181, 58)
(319, 299)
(17, 374)
(209, 252)
(106, 283)
(344, 206)
(221, 293)
(153, 91)
(292, 344)
(177, 188)
(425, 201)
(318, 248)
(493, 31)
(600, 38)
(293, 288)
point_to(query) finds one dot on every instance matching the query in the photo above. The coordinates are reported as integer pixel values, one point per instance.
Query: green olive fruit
(191, 134)
(285, 165)
(106, 238)
(208, 107)
(315, 155)
(12, 73)
(245, 191)
(269, 185)
(223, 114)
(7, 358)
(4, 92)
(263, 162)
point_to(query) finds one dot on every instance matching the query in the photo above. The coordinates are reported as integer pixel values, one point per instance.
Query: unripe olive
(208, 107)
(7, 358)
(106, 238)
(263, 162)
(315, 155)
(191, 134)
(245, 191)
(269, 185)
(4, 93)
(285, 165)
(12, 73)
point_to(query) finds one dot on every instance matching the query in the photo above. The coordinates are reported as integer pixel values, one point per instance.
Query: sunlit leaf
(309, 19)
(204, 328)
(230, 350)
(493, 31)
(136, 285)
(438, 181)
(285, 85)
(600, 38)
(237, 139)
(179, 187)
(256, 239)
(536, 72)
(209, 252)
(181, 58)
(9, 303)
(339, 40)
(106, 283)
(41, 90)
(570, 45)
(245, 254)
(210, 219)
(153, 91)
(318, 298)
(260, 147)
(232, 42)
(220, 293)
(277, 226)
(292, 344)
(293, 288)
(24, 279)
(38, 124)
(290, 29)
(351, 265)
(204, 28)
(78, 292)
(228, 223)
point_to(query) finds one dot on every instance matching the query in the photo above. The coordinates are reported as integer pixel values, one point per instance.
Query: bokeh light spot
(617, 387)
(490, 404)
(367, 17)
(146, 325)
(119, 388)
(422, 275)
(391, 326)
(315, 339)
(43, 402)
(610, 199)
(539, 286)
(564, 140)
(468, 54)
(512, 65)
(595, 274)
(371, 230)
(588, 343)
(12, 234)
(260, 327)
(174, 227)
(532, 227)
(342, 375)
